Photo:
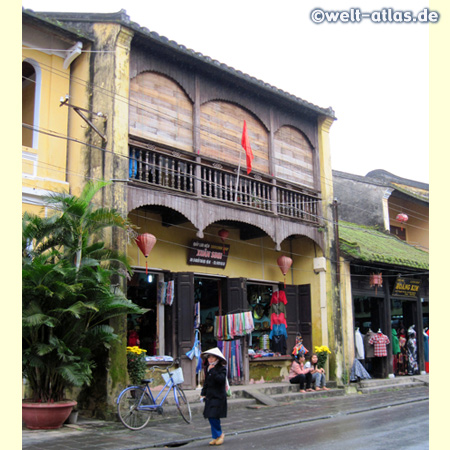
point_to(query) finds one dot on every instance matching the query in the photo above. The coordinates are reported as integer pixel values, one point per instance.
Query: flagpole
(237, 178)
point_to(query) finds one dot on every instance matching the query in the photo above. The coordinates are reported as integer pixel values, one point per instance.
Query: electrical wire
(103, 149)
(179, 121)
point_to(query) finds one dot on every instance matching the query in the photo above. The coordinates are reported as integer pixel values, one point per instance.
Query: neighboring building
(173, 150)
(378, 198)
(372, 243)
(52, 67)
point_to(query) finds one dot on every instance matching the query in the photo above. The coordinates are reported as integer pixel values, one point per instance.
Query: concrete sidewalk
(242, 418)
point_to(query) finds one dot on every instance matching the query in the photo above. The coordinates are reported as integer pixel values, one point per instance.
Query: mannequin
(411, 346)
(359, 345)
(402, 363)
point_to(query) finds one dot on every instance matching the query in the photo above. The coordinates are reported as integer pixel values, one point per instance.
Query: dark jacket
(215, 393)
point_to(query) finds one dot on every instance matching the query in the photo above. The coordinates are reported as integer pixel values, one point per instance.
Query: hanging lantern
(402, 218)
(146, 242)
(223, 235)
(376, 280)
(284, 263)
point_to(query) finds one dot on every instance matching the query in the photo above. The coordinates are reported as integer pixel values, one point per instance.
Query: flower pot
(46, 416)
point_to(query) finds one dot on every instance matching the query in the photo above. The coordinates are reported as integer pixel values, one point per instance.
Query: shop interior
(142, 329)
(368, 319)
(258, 297)
(208, 291)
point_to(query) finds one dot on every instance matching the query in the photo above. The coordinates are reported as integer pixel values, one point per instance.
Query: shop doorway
(208, 292)
(152, 331)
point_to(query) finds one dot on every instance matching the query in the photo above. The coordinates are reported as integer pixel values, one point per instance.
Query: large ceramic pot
(46, 416)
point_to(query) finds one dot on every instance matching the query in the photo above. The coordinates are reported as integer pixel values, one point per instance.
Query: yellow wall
(254, 258)
(44, 167)
(417, 227)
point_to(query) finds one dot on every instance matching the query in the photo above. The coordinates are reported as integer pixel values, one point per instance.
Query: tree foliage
(67, 292)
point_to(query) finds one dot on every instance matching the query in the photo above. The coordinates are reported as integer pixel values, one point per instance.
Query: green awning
(368, 244)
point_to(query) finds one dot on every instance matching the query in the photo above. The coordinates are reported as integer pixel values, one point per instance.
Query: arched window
(30, 102)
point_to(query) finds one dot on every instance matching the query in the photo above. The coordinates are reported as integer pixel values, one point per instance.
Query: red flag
(248, 150)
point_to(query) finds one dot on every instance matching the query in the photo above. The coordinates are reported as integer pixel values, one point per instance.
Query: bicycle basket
(177, 376)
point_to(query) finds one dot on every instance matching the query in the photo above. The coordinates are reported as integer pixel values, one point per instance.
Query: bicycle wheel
(182, 403)
(128, 407)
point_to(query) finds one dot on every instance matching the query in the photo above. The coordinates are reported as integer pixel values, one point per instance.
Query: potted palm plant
(67, 300)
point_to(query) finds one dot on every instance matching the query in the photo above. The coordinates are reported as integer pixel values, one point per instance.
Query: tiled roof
(122, 18)
(370, 245)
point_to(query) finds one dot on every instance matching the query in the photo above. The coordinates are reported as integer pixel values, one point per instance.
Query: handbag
(227, 387)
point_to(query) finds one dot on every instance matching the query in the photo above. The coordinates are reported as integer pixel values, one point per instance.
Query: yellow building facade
(169, 140)
(54, 70)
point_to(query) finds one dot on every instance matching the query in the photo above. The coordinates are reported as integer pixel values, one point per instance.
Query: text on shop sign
(209, 254)
(406, 287)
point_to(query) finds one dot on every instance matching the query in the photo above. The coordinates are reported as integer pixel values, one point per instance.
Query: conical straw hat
(215, 352)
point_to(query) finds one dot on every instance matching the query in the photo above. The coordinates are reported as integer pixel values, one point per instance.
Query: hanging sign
(209, 254)
(406, 287)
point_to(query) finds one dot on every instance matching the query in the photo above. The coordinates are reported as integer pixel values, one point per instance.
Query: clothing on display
(232, 351)
(426, 338)
(358, 372)
(278, 324)
(359, 344)
(411, 346)
(368, 348)
(230, 326)
(166, 292)
(402, 363)
(379, 341)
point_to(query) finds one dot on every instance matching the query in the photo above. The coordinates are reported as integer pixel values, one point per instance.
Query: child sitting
(318, 375)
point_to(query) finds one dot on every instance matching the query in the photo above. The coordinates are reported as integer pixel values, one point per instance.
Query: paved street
(243, 421)
(398, 427)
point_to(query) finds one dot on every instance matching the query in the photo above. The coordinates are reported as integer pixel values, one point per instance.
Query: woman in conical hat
(214, 392)
(214, 352)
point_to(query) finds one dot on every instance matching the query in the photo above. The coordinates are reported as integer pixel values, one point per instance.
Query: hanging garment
(402, 363)
(358, 372)
(368, 348)
(359, 345)
(379, 341)
(395, 343)
(278, 297)
(413, 366)
(277, 319)
(170, 292)
(426, 351)
(279, 344)
(278, 330)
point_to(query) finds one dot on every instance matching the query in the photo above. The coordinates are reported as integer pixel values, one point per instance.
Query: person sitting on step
(318, 374)
(299, 374)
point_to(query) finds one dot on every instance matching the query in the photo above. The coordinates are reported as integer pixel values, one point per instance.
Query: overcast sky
(374, 75)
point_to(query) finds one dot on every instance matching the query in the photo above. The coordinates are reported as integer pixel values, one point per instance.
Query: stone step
(387, 381)
(392, 386)
(298, 396)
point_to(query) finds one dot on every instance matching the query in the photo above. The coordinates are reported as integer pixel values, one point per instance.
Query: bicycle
(135, 404)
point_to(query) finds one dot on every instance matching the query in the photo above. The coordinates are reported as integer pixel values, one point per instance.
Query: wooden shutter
(304, 298)
(184, 302)
(236, 300)
(298, 315)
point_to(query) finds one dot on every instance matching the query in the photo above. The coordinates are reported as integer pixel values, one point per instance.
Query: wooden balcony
(218, 183)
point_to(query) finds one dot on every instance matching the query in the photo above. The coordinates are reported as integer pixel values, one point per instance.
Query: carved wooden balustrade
(217, 182)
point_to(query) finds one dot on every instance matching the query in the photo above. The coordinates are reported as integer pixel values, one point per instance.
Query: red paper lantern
(223, 235)
(376, 279)
(146, 242)
(284, 263)
(402, 218)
